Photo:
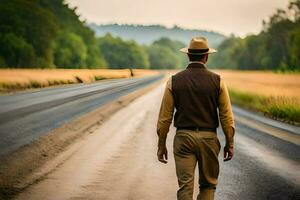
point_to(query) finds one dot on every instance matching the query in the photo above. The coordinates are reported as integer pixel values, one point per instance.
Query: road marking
(289, 137)
(265, 120)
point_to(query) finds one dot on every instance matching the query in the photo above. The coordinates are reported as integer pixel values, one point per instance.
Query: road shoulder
(20, 169)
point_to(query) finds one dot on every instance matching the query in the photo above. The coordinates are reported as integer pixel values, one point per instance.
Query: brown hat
(198, 46)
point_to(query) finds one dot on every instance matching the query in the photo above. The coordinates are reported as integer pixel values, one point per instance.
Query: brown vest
(196, 92)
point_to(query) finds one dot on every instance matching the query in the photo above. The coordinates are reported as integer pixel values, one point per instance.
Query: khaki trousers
(190, 148)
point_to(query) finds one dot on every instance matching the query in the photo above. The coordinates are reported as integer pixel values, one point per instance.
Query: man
(197, 94)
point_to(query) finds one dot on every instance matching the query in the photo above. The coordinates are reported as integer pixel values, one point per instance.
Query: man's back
(196, 91)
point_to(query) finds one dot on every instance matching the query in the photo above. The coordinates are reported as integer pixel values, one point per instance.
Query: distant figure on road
(197, 94)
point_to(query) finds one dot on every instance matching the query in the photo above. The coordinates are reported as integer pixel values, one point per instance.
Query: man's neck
(198, 62)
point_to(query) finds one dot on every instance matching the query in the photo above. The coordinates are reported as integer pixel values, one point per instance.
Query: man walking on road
(197, 94)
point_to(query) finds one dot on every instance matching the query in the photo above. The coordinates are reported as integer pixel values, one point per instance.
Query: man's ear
(206, 58)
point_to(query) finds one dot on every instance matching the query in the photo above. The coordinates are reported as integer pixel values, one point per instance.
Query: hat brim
(186, 50)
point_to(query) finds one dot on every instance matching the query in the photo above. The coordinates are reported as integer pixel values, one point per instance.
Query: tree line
(146, 34)
(48, 33)
(276, 47)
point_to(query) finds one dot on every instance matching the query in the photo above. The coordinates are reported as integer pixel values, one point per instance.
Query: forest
(49, 34)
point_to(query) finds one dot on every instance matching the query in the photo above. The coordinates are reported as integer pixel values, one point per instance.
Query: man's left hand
(162, 154)
(228, 153)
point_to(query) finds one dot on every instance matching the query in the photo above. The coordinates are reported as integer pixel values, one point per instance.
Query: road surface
(26, 116)
(118, 161)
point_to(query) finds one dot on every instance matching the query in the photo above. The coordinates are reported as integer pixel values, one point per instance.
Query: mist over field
(144, 34)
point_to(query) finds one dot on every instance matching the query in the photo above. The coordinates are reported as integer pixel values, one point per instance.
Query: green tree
(33, 25)
(174, 46)
(295, 50)
(227, 54)
(251, 53)
(162, 57)
(40, 25)
(70, 51)
(95, 58)
(15, 51)
(122, 54)
(278, 39)
(72, 24)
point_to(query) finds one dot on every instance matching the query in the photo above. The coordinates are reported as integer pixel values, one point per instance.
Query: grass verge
(20, 79)
(282, 108)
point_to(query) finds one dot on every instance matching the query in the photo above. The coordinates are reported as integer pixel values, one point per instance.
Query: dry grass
(17, 79)
(276, 95)
(263, 83)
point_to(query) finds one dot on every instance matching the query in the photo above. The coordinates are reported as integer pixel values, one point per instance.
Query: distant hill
(147, 34)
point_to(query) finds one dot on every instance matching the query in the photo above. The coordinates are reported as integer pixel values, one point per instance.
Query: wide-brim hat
(198, 46)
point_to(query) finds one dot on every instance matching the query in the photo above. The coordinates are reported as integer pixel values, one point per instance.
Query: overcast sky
(240, 17)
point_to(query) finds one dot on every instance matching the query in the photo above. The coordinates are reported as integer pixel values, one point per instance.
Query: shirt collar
(196, 64)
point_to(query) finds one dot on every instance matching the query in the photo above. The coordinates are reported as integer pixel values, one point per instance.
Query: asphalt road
(28, 115)
(118, 161)
(266, 163)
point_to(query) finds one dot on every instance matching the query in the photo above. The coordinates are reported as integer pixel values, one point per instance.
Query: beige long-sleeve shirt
(167, 109)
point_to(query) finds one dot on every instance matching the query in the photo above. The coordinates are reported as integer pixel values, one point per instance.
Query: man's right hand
(228, 153)
(162, 154)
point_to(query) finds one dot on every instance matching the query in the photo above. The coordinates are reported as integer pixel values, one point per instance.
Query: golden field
(15, 79)
(263, 83)
(274, 94)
